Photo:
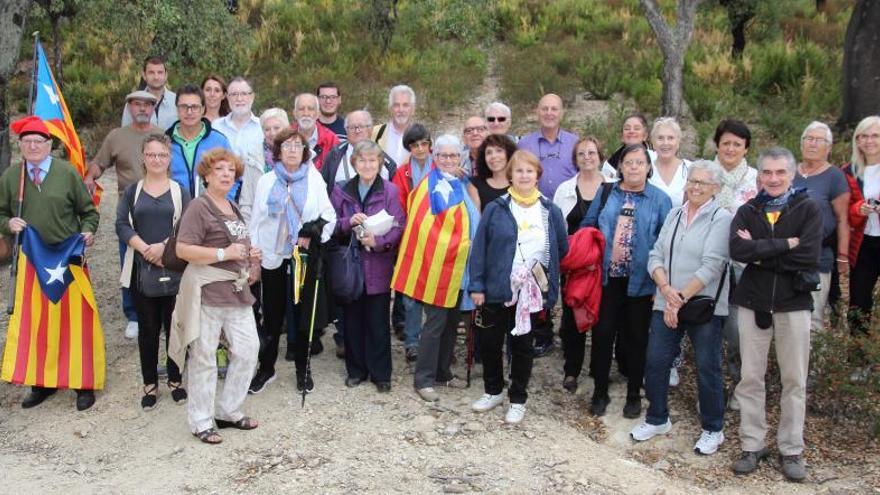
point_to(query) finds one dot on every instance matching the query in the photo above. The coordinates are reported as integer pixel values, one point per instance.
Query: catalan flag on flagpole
(434, 249)
(55, 337)
(49, 106)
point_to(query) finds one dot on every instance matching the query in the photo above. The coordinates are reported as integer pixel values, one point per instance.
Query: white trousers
(237, 324)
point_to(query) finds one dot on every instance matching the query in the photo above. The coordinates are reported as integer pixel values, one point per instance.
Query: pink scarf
(526, 296)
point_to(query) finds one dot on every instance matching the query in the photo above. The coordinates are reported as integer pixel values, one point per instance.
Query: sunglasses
(496, 119)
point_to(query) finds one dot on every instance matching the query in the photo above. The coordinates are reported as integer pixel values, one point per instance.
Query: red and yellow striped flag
(60, 344)
(433, 251)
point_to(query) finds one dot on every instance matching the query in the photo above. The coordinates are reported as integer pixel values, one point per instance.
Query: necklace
(807, 173)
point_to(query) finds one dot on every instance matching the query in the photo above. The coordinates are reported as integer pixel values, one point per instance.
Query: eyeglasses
(328, 97)
(699, 183)
(292, 146)
(33, 141)
(448, 156)
(581, 154)
(496, 119)
(189, 108)
(815, 140)
(472, 130)
(240, 94)
(635, 163)
(357, 128)
(156, 156)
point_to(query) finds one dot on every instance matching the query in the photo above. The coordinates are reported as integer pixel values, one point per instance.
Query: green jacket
(60, 208)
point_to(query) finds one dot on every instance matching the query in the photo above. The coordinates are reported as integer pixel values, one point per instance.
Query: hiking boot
(633, 408)
(709, 442)
(570, 383)
(340, 351)
(645, 431)
(454, 382)
(598, 404)
(290, 354)
(259, 382)
(304, 382)
(383, 387)
(748, 461)
(428, 394)
(84, 399)
(412, 354)
(487, 402)
(793, 467)
(543, 348)
(353, 381)
(36, 396)
(515, 414)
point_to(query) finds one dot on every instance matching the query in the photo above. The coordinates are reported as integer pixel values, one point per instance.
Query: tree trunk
(861, 64)
(673, 45)
(13, 18)
(739, 39)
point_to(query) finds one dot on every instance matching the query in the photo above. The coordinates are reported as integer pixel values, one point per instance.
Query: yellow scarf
(525, 200)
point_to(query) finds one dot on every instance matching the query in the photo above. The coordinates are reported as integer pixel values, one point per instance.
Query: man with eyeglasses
(191, 137)
(337, 166)
(122, 149)
(554, 148)
(155, 77)
(402, 106)
(498, 118)
(57, 205)
(474, 133)
(245, 134)
(329, 100)
(305, 116)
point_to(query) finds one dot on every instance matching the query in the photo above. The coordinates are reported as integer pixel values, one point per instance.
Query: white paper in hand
(379, 224)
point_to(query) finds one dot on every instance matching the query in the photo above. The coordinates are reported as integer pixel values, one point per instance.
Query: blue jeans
(663, 346)
(127, 302)
(413, 325)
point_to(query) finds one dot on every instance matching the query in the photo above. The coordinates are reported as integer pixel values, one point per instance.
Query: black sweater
(766, 283)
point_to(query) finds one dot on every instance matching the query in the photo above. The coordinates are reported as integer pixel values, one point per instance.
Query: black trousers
(632, 316)
(573, 343)
(154, 315)
(500, 320)
(862, 278)
(367, 340)
(278, 308)
(398, 312)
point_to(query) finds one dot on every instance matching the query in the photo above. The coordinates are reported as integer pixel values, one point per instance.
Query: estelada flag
(49, 106)
(55, 337)
(436, 242)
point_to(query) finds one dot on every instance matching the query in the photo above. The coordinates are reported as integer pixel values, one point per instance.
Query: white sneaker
(515, 414)
(673, 377)
(131, 330)
(428, 394)
(643, 431)
(709, 442)
(487, 402)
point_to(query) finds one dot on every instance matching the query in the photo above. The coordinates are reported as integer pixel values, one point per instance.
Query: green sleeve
(8, 197)
(85, 208)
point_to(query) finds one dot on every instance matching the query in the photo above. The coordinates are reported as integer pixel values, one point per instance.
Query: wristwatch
(221, 254)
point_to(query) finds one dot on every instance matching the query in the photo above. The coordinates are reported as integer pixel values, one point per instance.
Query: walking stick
(318, 269)
(470, 347)
(13, 269)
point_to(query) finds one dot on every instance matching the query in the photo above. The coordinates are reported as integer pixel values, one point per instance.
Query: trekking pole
(318, 269)
(470, 347)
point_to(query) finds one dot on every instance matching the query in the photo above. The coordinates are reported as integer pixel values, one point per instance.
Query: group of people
(274, 219)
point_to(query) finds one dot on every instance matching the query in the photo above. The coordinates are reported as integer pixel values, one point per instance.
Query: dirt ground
(356, 440)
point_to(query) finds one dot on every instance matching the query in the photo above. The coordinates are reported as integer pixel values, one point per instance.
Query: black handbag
(156, 281)
(346, 271)
(698, 309)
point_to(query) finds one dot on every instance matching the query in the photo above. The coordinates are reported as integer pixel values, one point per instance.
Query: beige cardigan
(186, 319)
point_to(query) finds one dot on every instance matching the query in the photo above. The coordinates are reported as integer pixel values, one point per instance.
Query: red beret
(30, 125)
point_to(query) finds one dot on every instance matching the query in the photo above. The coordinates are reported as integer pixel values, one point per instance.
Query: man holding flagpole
(53, 341)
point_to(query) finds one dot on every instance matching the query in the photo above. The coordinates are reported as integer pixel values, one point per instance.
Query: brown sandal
(245, 423)
(209, 436)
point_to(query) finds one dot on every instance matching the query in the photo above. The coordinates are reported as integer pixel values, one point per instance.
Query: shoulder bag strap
(672, 246)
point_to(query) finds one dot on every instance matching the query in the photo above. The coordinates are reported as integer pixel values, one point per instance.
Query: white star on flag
(56, 274)
(53, 97)
(444, 189)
